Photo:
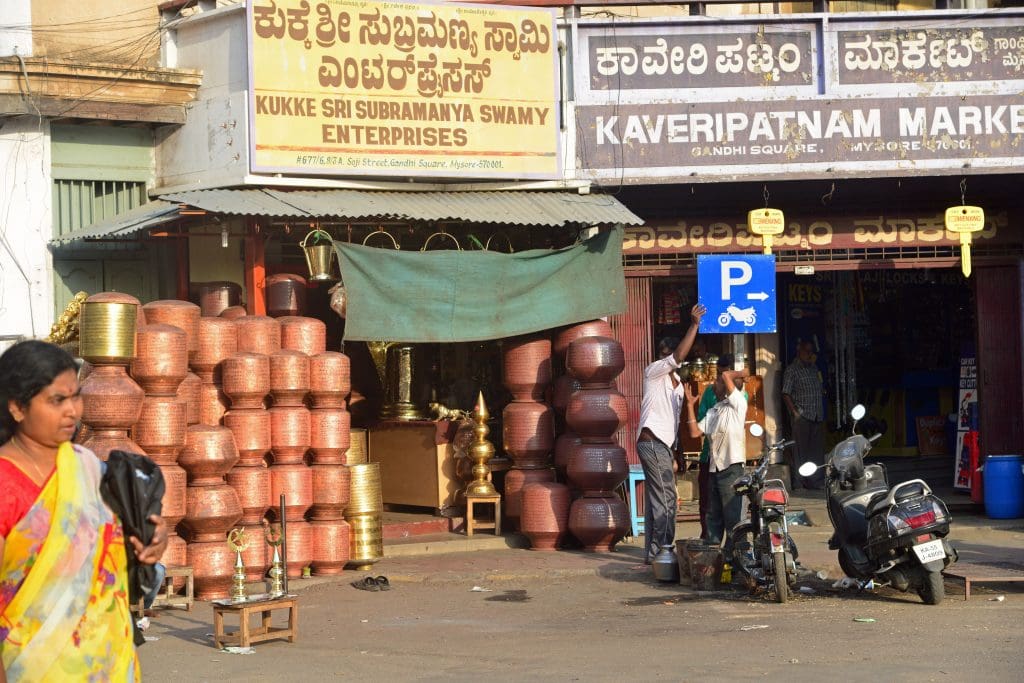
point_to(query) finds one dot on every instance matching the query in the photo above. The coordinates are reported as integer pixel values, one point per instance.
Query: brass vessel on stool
(403, 383)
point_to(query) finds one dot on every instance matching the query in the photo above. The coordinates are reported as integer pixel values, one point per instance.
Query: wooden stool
(167, 596)
(246, 635)
(471, 521)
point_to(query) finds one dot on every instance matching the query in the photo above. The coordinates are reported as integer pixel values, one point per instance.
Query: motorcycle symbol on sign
(747, 316)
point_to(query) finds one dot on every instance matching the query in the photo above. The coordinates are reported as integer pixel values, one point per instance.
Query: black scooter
(893, 536)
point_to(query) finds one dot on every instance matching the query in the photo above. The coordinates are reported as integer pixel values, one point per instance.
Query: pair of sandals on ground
(372, 583)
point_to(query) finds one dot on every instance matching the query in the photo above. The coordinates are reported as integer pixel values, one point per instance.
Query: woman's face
(52, 415)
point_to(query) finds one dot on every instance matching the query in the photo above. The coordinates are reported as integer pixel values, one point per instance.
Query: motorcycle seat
(877, 503)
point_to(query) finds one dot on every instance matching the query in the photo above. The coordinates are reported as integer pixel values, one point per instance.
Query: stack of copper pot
(528, 428)
(597, 465)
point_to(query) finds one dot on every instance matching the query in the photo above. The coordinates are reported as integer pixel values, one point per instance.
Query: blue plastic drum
(1004, 486)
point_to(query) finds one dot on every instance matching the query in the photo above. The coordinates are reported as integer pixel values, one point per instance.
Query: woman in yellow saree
(64, 609)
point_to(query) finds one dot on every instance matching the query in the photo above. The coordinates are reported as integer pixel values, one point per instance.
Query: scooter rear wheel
(933, 588)
(781, 580)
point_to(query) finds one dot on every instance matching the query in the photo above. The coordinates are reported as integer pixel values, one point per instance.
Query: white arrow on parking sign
(758, 296)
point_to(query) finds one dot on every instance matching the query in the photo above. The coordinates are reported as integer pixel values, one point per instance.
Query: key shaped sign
(739, 292)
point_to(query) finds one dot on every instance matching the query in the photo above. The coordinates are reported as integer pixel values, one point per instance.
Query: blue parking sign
(739, 292)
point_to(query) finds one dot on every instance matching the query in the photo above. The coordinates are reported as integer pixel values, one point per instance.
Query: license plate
(932, 550)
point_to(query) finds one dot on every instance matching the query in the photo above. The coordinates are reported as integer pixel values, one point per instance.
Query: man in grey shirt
(802, 394)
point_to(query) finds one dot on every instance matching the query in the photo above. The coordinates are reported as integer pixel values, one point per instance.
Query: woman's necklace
(24, 452)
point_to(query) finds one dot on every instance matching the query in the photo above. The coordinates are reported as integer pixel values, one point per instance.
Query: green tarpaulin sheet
(457, 296)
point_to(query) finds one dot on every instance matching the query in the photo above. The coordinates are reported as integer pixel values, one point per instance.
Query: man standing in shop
(802, 394)
(660, 407)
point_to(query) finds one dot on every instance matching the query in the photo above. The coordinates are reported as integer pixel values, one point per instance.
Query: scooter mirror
(807, 469)
(858, 412)
(756, 430)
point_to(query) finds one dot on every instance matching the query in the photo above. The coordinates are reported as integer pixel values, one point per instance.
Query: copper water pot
(289, 434)
(331, 491)
(330, 379)
(174, 494)
(175, 555)
(110, 398)
(211, 511)
(528, 430)
(214, 297)
(181, 314)
(561, 391)
(216, 340)
(251, 428)
(563, 449)
(289, 377)
(102, 441)
(567, 335)
(246, 379)
(161, 427)
(252, 484)
(299, 536)
(545, 514)
(213, 403)
(595, 361)
(208, 454)
(598, 523)
(526, 366)
(300, 333)
(295, 481)
(597, 467)
(188, 392)
(515, 480)
(161, 360)
(286, 295)
(332, 546)
(258, 334)
(329, 435)
(596, 414)
(213, 564)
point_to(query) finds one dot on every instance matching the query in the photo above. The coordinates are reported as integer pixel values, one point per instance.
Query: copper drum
(188, 392)
(598, 523)
(217, 339)
(256, 558)
(332, 546)
(102, 441)
(286, 295)
(358, 449)
(330, 379)
(545, 514)
(251, 428)
(526, 366)
(295, 482)
(252, 484)
(258, 334)
(289, 434)
(181, 314)
(213, 404)
(562, 390)
(329, 435)
(232, 312)
(367, 540)
(528, 431)
(331, 489)
(563, 449)
(246, 379)
(161, 428)
(161, 360)
(211, 511)
(597, 467)
(596, 414)
(299, 537)
(176, 555)
(213, 565)
(591, 328)
(110, 398)
(107, 325)
(299, 333)
(175, 481)
(515, 481)
(365, 492)
(208, 454)
(214, 297)
(289, 377)
(595, 361)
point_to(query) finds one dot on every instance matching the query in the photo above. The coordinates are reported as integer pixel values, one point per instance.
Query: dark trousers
(704, 491)
(659, 496)
(810, 447)
(726, 506)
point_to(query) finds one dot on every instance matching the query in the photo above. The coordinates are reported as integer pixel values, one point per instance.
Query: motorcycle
(747, 316)
(892, 536)
(762, 549)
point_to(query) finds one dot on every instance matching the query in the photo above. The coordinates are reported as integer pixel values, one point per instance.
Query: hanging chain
(963, 191)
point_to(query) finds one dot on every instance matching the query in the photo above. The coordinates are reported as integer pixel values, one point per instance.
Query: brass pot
(161, 428)
(332, 546)
(329, 435)
(251, 428)
(213, 565)
(211, 511)
(258, 334)
(331, 492)
(216, 340)
(107, 325)
(181, 314)
(188, 392)
(246, 379)
(289, 434)
(367, 540)
(358, 449)
(289, 377)
(295, 482)
(330, 379)
(304, 334)
(286, 295)
(252, 484)
(208, 455)
(110, 398)
(161, 360)
(365, 492)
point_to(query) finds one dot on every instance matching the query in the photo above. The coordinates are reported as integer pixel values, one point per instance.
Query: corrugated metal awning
(500, 207)
(156, 212)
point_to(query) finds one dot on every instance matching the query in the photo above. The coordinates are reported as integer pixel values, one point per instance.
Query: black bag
(133, 486)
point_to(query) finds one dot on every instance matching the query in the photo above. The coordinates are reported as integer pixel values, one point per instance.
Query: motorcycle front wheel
(781, 580)
(933, 588)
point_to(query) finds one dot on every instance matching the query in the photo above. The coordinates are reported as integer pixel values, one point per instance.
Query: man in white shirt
(723, 425)
(660, 407)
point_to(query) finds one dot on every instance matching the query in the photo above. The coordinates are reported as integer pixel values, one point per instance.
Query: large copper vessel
(526, 366)
(110, 398)
(208, 454)
(515, 481)
(161, 428)
(332, 546)
(561, 391)
(286, 295)
(161, 360)
(258, 334)
(599, 523)
(596, 414)
(528, 431)
(181, 314)
(296, 483)
(175, 481)
(299, 333)
(210, 512)
(213, 564)
(595, 361)
(102, 441)
(289, 377)
(563, 449)
(214, 297)
(188, 393)
(216, 340)
(545, 514)
(597, 467)
(329, 379)
(299, 536)
(213, 403)
(289, 434)
(329, 435)
(251, 428)
(567, 335)
(331, 492)
(252, 484)
(246, 379)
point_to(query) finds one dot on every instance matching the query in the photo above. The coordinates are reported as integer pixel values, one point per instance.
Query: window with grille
(80, 203)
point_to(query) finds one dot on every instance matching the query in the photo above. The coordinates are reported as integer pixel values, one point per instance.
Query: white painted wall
(26, 276)
(16, 39)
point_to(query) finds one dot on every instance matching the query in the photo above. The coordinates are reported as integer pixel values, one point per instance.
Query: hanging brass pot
(319, 254)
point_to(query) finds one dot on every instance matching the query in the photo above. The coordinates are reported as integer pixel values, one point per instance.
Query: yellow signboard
(356, 87)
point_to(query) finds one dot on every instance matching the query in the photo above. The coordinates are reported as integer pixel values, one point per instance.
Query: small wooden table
(246, 635)
(473, 523)
(977, 573)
